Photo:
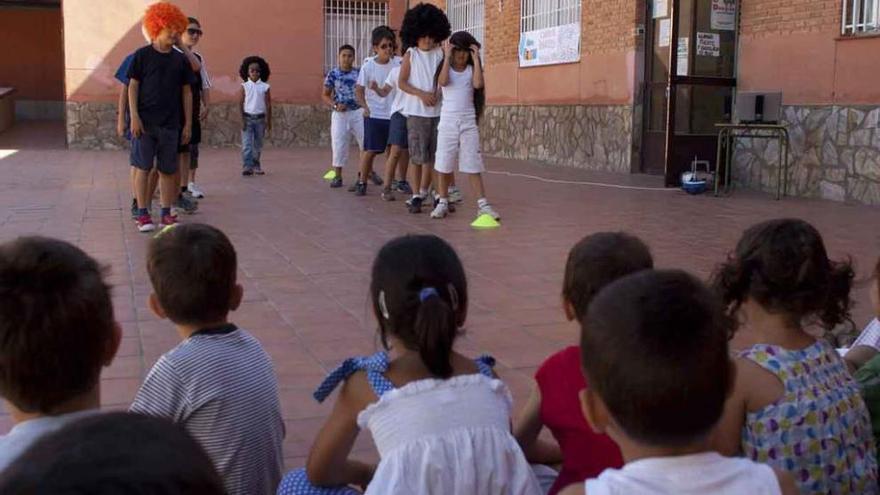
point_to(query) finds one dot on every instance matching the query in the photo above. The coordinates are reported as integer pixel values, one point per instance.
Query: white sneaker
(195, 191)
(440, 211)
(486, 209)
(455, 195)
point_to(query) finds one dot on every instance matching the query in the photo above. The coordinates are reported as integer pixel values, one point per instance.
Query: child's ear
(236, 297)
(113, 344)
(569, 309)
(156, 307)
(594, 410)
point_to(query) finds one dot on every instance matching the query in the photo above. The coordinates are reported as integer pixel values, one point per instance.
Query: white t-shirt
(870, 336)
(24, 434)
(380, 107)
(458, 94)
(396, 94)
(696, 474)
(423, 68)
(255, 96)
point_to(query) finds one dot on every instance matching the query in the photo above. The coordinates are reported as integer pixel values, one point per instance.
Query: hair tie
(426, 293)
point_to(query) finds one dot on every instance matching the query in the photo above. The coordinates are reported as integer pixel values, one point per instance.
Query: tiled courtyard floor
(305, 253)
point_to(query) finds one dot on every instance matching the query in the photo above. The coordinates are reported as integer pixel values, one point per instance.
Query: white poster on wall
(555, 45)
(724, 15)
(682, 68)
(660, 8)
(665, 32)
(708, 44)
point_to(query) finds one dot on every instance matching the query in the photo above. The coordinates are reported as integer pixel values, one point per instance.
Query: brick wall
(781, 17)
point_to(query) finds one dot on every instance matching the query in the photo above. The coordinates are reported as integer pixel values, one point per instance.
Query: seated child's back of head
(114, 453)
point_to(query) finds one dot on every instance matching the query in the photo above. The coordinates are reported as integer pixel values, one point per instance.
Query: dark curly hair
(264, 68)
(462, 40)
(424, 20)
(783, 266)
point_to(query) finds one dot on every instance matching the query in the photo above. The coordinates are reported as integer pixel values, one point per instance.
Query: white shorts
(458, 146)
(342, 126)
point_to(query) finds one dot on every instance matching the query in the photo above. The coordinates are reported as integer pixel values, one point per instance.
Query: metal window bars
(351, 22)
(467, 15)
(541, 14)
(860, 17)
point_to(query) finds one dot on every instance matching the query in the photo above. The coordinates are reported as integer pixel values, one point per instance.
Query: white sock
(444, 201)
(482, 202)
(423, 193)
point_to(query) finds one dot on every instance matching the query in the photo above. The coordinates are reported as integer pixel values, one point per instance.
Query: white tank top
(458, 94)
(697, 474)
(423, 67)
(255, 96)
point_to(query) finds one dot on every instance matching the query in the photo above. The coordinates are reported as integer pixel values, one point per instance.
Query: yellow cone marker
(330, 175)
(164, 230)
(485, 221)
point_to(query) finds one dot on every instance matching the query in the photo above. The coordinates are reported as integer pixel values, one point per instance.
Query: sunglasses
(193, 32)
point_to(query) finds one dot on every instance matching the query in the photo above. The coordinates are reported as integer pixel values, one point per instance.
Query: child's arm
(206, 100)
(787, 484)
(328, 463)
(360, 97)
(382, 91)
(526, 430)
(121, 106)
(727, 437)
(268, 110)
(187, 114)
(137, 127)
(478, 82)
(574, 489)
(443, 79)
(427, 98)
(241, 108)
(194, 62)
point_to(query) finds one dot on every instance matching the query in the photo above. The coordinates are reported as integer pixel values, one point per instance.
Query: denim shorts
(397, 135)
(159, 144)
(375, 134)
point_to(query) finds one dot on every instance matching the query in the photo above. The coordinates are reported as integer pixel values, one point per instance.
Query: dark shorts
(375, 134)
(157, 144)
(195, 136)
(422, 135)
(397, 135)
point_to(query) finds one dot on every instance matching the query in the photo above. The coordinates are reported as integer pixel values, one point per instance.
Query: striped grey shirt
(219, 384)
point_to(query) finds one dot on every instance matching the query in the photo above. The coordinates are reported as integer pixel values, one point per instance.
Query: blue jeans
(252, 140)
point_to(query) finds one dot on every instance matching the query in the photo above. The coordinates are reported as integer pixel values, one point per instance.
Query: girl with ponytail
(440, 420)
(794, 404)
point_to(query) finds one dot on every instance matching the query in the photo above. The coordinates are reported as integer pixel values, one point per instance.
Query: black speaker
(759, 108)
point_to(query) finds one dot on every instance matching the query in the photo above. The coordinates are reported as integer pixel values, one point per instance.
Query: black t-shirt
(161, 77)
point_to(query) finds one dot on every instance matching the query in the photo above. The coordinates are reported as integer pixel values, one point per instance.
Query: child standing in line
(189, 154)
(794, 404)
(424, 27)
(654, 350)
(255, 101)
(158, 91)
(347, 118)
(398, 153)
(218, 383)
(440, 420)
(458, 141)
(593, 263)
(376, 106)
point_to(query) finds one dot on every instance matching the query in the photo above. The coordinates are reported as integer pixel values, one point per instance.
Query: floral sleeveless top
(819, 430)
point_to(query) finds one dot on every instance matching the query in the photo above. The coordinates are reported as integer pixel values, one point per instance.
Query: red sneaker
(168, 220)
(145, 223)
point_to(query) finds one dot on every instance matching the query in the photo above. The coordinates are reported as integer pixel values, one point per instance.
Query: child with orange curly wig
(160, 101)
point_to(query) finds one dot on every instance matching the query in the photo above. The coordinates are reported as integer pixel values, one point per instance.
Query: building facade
(577, 83)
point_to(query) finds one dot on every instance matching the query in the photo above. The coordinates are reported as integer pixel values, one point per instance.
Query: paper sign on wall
(555, 45)
(708, 44)
(665, 32)
(682, 68)
(660, 8)
(724, 15)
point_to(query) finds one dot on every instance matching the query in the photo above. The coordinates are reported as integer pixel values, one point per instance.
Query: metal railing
(860, 16)
(351, 22)
(540, 14)
(467, 15)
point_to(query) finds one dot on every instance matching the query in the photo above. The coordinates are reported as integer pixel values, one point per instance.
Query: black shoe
(336, 182)
(353, 187)
(388, 195)
(376, 179)
(360, 189)
(247, 172)
(415, 205)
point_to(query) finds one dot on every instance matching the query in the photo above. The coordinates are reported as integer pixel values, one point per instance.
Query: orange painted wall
(287, 33)
(31, 56)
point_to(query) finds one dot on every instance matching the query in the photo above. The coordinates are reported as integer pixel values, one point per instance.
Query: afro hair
(163, 15)
(264, 68)
(424, 20)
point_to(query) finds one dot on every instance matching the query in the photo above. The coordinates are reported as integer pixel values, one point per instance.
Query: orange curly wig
(164, 15)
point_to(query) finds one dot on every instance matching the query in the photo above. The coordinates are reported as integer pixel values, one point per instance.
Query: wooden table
(727, 136)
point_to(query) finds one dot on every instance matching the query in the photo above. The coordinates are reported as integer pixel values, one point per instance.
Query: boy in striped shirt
(219, 382)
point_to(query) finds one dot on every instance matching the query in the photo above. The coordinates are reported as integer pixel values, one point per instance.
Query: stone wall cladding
(580, 136)
(834, 154)
(92, 125)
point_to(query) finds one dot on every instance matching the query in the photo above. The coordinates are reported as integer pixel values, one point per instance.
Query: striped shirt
(219, 384)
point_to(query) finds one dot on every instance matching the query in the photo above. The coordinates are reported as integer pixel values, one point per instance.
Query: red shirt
(585, 453)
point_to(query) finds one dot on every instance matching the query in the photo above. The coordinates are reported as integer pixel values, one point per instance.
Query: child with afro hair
(255, 102)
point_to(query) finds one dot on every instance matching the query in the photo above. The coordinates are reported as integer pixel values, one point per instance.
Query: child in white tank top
(654, 350)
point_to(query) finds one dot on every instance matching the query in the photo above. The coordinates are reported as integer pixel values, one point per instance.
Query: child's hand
(185, 135)
(429, 99)
(374, 86)
(366, 112)
(137, 127)
(203, 115)
(475, 52)
(341, 107)
(120, 127)
(447, 49)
